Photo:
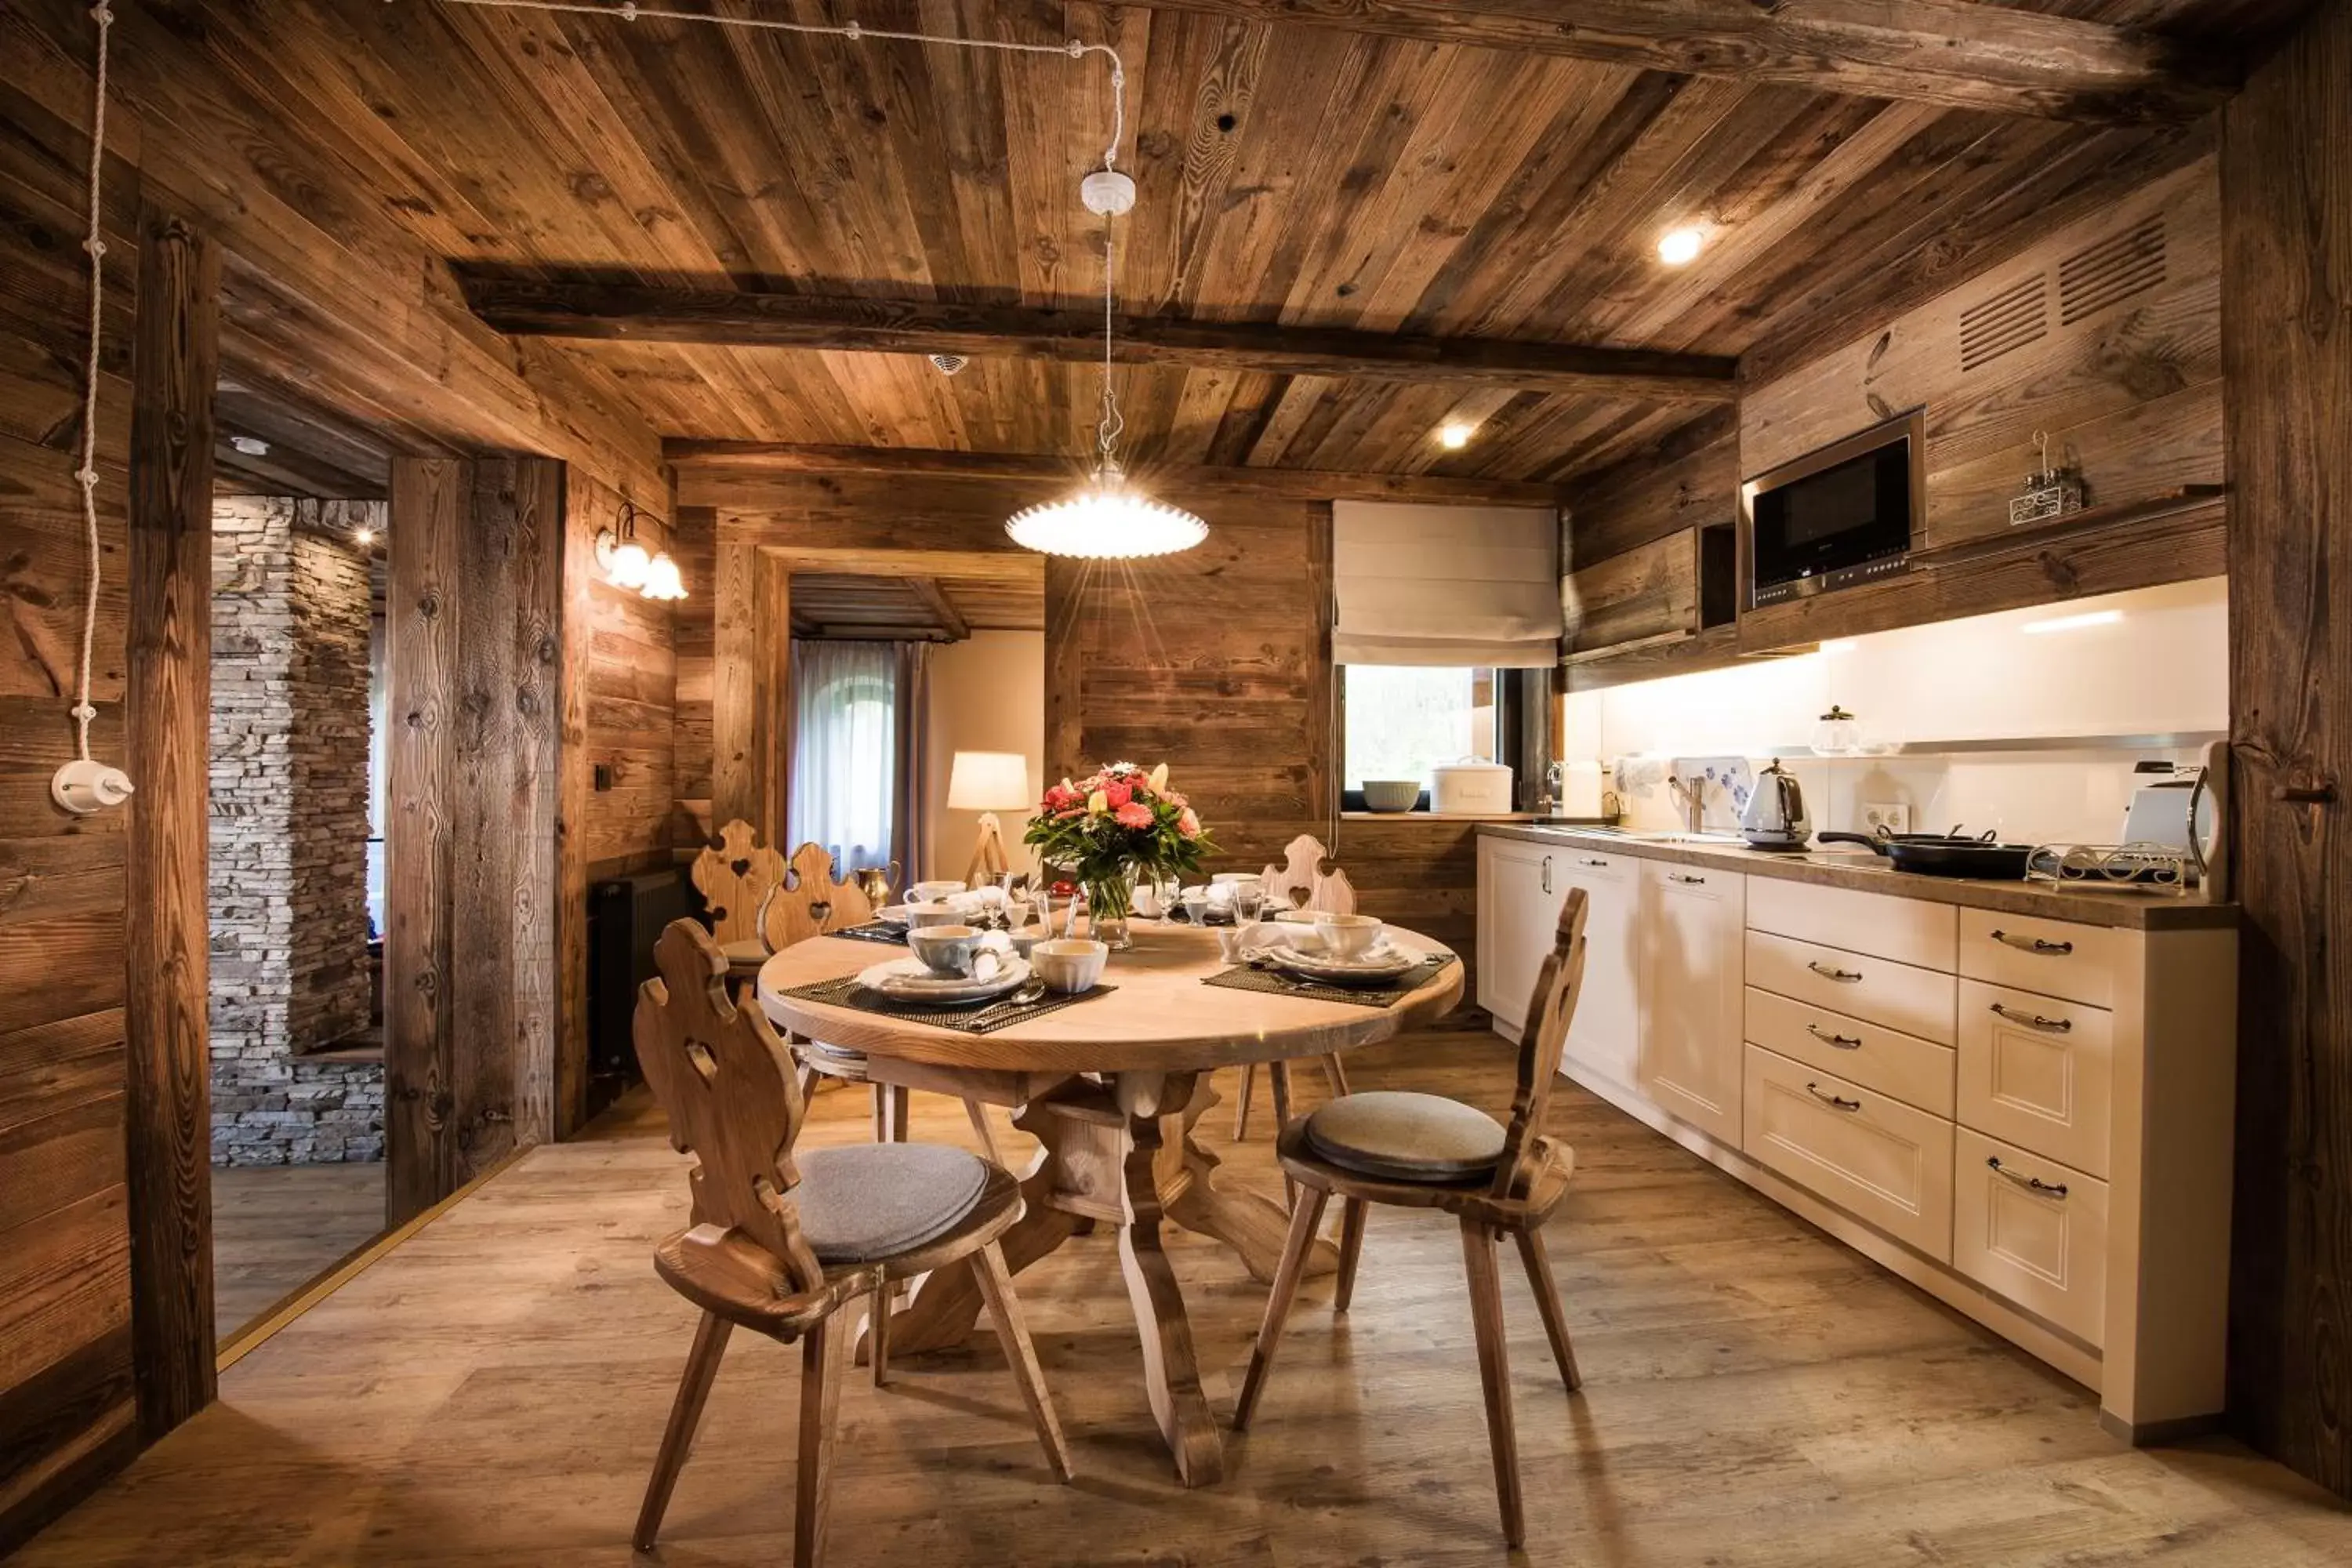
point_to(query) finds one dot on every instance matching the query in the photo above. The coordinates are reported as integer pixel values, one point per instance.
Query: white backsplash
(2159, 665)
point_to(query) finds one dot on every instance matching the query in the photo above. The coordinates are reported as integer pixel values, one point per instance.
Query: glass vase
(1109, 901)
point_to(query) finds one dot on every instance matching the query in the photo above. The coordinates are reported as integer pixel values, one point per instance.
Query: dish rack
(2141, 867)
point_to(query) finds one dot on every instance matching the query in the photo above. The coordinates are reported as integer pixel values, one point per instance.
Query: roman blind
(1447, 586)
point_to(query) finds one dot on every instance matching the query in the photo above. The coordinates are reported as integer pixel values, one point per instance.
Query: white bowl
(1347, 935)
(1069, 964)
(932, 892)
(945, 948)
(930, 914)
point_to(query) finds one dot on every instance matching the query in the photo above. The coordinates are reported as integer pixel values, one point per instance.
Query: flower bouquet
(1106, 830)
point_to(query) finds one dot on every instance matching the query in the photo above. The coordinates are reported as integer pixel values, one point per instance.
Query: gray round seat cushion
(871, 1201)
(1406, 1137)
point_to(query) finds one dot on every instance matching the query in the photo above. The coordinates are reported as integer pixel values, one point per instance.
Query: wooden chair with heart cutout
(785, 1244)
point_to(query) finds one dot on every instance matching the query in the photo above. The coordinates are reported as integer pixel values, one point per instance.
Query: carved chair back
(1549, 1012)
(725, 1080)
(734, 876)
(806, 902)
(1301, 882)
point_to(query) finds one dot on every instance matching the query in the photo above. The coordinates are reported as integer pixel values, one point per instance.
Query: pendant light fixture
(1108, 519)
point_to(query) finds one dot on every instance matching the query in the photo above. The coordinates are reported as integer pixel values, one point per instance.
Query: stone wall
(289, 829)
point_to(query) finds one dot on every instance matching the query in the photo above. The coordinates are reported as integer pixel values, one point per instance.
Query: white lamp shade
(988, 781)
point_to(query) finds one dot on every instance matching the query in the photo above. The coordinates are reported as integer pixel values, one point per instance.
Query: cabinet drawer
(1916, 1071)
(1576, 863)
(2043, 1247)
(2038, 1072)
(1874, 1156)
(1905, 930)
(2056, 958)
(1915, 1001)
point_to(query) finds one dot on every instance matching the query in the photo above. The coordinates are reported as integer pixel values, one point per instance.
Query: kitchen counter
(1861, 870)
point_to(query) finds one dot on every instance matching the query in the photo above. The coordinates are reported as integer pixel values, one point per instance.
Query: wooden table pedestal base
(1122, 1152)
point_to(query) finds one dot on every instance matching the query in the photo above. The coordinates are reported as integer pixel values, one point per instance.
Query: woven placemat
(1274, 982)
(983, 1020)
(873, 930)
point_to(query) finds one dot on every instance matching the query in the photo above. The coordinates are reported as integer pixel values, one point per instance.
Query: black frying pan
(1945, 854)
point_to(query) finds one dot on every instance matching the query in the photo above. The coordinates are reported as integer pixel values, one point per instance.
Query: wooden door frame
(166, 917)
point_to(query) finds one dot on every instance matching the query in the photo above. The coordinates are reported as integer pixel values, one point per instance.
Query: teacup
(919, 916)
(1069, 964)
(932, 892)
(1345, 936)
(945, 948)
(1026, 937)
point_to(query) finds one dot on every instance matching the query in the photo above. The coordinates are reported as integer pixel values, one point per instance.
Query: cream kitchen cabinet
(1518, 910)
(1692, 990)
(1521, 887)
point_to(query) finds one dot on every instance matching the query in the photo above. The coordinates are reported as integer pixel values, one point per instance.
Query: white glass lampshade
(988, 781)
(662, 580)
(629, 565)
(1106, 522)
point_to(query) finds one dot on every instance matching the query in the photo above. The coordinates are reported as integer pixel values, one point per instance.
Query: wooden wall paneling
(1688, 479)
(1648, 593)
(1065, 755)
(430, 500)
(772, 698)
(694, 544)
(734, 677)
(1421, 873)
(2286, 189)
(166, 946)
(67, 1406)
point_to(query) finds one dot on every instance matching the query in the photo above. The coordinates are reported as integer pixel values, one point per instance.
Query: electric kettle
(1774, 817)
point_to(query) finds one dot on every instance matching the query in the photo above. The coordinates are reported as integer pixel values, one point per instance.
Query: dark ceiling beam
(1949, 52)
(932, 600)
(741, 474)
(633, 313)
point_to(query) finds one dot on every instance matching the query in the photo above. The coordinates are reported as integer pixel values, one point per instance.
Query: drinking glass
(1249, 902)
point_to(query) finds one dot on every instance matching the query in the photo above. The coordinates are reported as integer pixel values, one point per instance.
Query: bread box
(1470, 787)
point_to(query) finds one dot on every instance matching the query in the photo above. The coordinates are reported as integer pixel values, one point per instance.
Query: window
(1400, 721)
(844, 748)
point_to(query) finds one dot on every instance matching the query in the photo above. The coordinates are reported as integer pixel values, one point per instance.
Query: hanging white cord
(88, 473)
(1109, 430)
(629, 11)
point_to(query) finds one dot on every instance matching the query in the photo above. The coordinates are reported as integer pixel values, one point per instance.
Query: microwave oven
(1848, 513)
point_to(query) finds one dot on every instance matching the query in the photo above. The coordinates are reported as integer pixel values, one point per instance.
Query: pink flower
(1061, 797)
(1134, 813)
(1118, 792)
(1174, 799)
(1188, 824)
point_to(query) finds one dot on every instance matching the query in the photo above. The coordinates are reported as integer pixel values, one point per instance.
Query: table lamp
(988, 783)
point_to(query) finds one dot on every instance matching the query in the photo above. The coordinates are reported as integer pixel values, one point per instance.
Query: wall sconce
(626, 564)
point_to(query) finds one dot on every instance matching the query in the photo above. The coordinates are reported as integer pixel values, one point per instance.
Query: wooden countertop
(1863, 871)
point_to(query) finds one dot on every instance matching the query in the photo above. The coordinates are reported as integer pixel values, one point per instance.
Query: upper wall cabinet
(2105, 336)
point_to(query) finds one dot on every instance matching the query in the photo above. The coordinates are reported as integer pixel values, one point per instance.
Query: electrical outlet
(1892, 815)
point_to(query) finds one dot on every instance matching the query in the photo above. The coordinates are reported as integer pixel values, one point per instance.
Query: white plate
(907, 980)
(892, 915)
(1369, 969)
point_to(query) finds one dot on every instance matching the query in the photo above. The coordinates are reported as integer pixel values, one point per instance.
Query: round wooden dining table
(1110, 1088)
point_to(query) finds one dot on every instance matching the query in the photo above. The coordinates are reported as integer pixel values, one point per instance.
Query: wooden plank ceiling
(1305, 172)
(930, 609)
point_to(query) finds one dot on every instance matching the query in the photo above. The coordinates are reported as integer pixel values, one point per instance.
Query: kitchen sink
(1651, 835)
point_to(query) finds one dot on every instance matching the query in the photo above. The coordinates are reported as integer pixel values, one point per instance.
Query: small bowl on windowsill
(1392, 795)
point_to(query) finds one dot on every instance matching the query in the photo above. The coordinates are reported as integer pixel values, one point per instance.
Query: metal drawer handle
(2034, 944)
(1590, 860)
(1843, 1042)
(2034, 1020)
(1679, 877)
(1547, 874)
(2031, 1184)
(1832, 1100)
(1830, 971)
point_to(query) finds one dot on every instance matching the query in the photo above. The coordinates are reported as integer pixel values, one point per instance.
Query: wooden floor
(493, 1392)
(277, 1227)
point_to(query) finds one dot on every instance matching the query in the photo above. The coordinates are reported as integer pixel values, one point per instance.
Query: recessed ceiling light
(1680, 247)
(251, 445)
(1455, 434)
(2073, 623)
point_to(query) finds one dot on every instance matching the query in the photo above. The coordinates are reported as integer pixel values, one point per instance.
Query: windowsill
(1437, 816)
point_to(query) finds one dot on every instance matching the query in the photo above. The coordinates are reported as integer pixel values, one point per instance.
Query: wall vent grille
(2114, 270)
(2018, 315)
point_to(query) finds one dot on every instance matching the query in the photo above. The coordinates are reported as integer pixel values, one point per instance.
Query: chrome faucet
(1691, 795)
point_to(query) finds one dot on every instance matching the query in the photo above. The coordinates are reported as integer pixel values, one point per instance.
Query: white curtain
(1450, 587)
(844, 749)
